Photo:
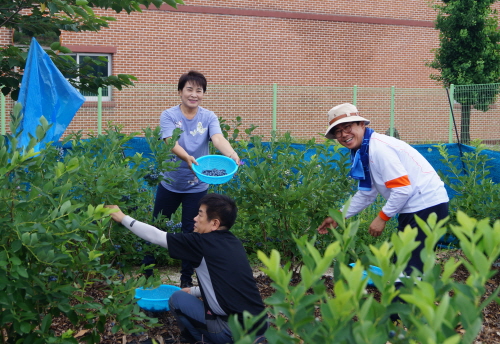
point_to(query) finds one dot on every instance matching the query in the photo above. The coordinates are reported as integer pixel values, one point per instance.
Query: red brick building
(315, 51)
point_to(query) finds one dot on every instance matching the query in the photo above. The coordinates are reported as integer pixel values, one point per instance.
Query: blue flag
(45, 92)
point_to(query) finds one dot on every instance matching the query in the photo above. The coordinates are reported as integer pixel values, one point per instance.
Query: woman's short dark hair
(195, 78)
(220, 207)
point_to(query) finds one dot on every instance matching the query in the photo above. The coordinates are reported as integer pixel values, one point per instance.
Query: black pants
(405, 219)
(166, 203)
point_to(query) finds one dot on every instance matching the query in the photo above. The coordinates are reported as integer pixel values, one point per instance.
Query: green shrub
(283, 190)
(434, 307)
(476, 194)
(58, 243)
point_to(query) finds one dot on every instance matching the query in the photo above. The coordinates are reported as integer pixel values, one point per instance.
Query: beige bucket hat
(342, 113)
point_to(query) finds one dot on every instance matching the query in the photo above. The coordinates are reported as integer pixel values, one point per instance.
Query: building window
(103, 70)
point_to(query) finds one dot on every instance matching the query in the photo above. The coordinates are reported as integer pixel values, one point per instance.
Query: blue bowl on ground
(374, 269)
(155, 300)
(220, 162)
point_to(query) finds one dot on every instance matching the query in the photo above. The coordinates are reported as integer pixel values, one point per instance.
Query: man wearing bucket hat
(392, 168)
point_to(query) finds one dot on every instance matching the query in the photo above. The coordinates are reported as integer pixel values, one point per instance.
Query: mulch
(168, 331)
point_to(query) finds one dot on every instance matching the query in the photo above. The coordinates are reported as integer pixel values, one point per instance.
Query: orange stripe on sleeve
(398, 182)
(383, 216)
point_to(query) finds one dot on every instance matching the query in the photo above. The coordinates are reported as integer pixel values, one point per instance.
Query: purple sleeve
(167, 124)
(214, 126)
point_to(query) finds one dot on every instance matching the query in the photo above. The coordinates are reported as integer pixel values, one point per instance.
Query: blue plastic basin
(220, 162)
(374, 269)
(155, 300)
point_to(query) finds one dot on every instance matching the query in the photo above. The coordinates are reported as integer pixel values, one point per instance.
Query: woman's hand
(326, 224)
(117, 216)
(190, 161)
(235, 157)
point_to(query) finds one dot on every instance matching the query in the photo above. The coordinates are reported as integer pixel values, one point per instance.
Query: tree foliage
(469, 52)
(51, 17)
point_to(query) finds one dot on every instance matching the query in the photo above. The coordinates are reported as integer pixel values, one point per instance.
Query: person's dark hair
(195, 78)
(220, 207)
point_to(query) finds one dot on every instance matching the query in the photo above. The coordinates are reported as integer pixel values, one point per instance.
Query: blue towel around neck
(360, 168)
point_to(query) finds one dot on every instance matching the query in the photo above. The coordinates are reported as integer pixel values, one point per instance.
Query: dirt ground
(168, 332)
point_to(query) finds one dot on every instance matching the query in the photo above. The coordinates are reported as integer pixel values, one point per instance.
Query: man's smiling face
(350, 135)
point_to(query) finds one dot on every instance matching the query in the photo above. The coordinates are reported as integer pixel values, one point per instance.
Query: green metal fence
(416, 115)
(474, 111)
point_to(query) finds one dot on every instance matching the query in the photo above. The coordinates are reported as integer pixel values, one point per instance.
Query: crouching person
(226, 283)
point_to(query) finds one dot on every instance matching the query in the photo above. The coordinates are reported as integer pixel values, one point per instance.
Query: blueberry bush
(469, 177)
(58, 242)
(283, 190)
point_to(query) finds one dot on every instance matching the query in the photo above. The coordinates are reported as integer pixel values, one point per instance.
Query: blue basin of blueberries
(215, 169)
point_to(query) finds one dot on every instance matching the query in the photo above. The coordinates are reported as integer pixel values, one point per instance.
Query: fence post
(99, 110)
(354, 95)
(275, 105)
(393, 93)
(452, 102)
(3, 114)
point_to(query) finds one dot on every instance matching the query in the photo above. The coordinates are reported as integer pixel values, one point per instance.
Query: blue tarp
(45, 92)
(429, 151)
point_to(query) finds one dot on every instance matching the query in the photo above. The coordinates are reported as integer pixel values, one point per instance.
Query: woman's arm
(224, 147)
(182, 154)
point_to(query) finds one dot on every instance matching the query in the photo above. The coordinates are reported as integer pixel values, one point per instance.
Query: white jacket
(402, 176)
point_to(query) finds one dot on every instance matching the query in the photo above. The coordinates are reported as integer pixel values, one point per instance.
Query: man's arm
(141, 229)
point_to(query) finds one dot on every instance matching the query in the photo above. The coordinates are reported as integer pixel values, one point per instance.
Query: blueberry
(392, 334)
(215, 172)
(52, 278)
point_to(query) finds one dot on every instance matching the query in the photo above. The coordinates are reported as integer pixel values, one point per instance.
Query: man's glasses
(338, 131)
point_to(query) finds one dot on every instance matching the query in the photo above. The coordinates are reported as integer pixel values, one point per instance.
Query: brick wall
(318, 43)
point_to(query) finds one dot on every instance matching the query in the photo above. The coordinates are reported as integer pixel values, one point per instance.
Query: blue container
(220, 162)
(155, 300)
(374, 269)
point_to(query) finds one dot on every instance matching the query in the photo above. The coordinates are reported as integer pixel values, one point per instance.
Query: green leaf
(16, 245)
(25, 327)
(66, 205)
(46, 323)
(21, 270)
(15, 261)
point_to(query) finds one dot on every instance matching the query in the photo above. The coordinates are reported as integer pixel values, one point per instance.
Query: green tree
(469, 53)
(48, 18)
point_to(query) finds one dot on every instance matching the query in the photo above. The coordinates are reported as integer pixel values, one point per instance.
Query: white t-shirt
(402, 176)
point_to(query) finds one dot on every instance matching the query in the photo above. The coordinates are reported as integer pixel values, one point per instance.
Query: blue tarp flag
(45, 92)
